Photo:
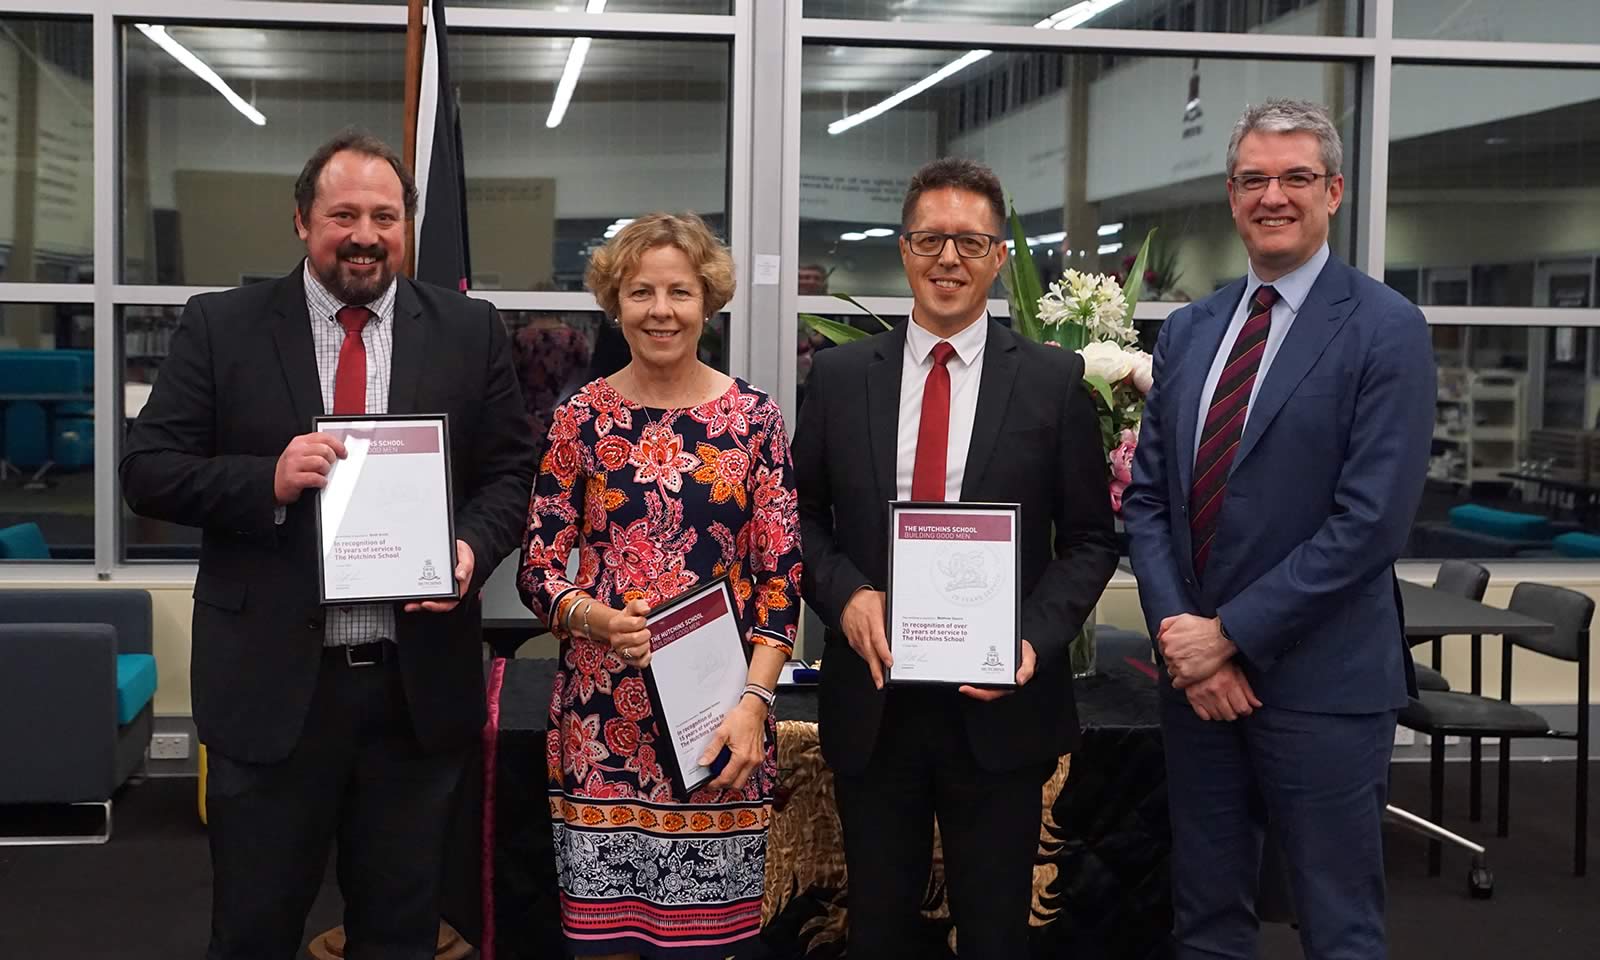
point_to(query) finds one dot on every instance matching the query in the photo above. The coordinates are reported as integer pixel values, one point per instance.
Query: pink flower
(1122, 467)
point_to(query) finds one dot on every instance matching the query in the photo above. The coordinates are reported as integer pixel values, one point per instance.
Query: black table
(1549, 490)
(1105, 849)
(1434, 614)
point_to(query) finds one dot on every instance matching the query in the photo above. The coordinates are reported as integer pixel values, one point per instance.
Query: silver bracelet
(571, 609)
(587, 633)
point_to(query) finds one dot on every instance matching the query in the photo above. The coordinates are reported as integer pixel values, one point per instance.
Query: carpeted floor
(145, 896)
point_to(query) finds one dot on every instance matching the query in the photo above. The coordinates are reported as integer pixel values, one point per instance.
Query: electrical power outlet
(169, 746)
(1404, 736)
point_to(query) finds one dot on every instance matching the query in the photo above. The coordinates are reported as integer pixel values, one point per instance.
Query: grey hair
(1282, 115)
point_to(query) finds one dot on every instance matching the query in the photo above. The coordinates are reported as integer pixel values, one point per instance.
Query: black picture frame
(449, 589)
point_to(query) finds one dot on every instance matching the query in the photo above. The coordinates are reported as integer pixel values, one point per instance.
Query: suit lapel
(883, 406)
(1322, 315)
(1202, 352)
(291, 331)
(405, 363)
(1000, 359)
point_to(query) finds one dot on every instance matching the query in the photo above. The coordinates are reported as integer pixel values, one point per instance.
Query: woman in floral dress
(662, 477)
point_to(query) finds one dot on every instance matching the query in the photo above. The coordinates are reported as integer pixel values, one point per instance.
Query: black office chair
(1461, 714)
(1463, 578)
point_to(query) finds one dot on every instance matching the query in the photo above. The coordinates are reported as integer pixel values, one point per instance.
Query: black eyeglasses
(1257, 182)
(969, 246)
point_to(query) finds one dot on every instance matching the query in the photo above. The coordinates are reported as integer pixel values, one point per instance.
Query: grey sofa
(77, 707)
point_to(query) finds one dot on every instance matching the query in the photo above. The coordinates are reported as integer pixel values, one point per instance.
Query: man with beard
(324, 724)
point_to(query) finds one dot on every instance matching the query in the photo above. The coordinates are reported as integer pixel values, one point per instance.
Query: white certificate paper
(385, 520)
(954, 595)
(697, 673)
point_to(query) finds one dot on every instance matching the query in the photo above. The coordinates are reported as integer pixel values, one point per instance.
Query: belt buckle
(352, 662)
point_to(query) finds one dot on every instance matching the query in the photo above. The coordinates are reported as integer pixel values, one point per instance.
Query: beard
(341, 280)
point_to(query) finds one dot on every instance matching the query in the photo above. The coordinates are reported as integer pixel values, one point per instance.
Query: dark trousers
(922, 767)
(1322, 779)
(358, 778)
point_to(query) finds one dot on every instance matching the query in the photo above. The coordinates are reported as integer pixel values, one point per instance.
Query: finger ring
(627, 654)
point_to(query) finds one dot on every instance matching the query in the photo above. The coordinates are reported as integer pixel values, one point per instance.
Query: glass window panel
(557, 352)
(578, 6)
(1564, 21)
(46, 432)
(1314, 17)
(1494, 193)
(646, 129)
(1152, 134)
(208, 195)
(146, 333)
(46, 151)
(1516, 427)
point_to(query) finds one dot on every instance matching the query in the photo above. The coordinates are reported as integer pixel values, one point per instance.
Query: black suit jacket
(1035, 441)
(239, 383)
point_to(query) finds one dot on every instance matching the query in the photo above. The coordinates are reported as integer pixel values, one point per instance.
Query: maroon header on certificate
(961, 527)
(393, 439)
(689, 618)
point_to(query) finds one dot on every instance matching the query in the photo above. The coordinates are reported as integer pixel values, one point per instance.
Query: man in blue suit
(1279, 466)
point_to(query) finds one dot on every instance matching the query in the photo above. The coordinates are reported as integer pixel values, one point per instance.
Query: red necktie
(933, 431)
(350, 383)
(1219, 439)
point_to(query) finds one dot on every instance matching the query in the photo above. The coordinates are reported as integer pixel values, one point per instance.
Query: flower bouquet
(1093, 314)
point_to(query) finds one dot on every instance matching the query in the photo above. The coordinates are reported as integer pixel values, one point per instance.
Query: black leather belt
(368, 654)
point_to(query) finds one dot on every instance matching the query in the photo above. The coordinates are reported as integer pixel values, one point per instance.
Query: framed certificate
(955, 597)
(697, 673)
(386, 519)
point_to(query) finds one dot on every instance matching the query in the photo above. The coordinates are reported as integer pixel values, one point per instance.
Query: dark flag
(441, 241)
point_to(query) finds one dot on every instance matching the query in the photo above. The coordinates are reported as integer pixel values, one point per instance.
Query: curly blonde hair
(612, 264)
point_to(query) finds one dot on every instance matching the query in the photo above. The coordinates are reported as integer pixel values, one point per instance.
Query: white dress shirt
(358, 623)
(966, 368)
(1293, 288)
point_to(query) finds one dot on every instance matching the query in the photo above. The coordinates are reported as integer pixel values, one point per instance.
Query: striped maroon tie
(1219, 439)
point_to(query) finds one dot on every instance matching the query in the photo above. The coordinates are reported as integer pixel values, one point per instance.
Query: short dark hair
(359, 141)
(962, 174)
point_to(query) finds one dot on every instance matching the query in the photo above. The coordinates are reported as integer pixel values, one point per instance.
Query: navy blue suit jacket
(1320, 496)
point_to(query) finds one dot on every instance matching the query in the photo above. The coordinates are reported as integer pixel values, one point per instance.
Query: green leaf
(835, 330)
(863, 308)
(1098, 385)
(1023, 288)
(1135, 282)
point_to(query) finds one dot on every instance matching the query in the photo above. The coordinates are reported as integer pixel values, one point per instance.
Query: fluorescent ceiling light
(879, 232)
(1056, 237)
(158, 35)
(1063, 19)
(1076, 15)
(852, 235)
(569, 74)
(884, 106)
(1109, 229)
(1106, 248)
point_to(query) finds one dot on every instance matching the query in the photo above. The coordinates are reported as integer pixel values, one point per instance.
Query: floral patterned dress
(656, 502)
